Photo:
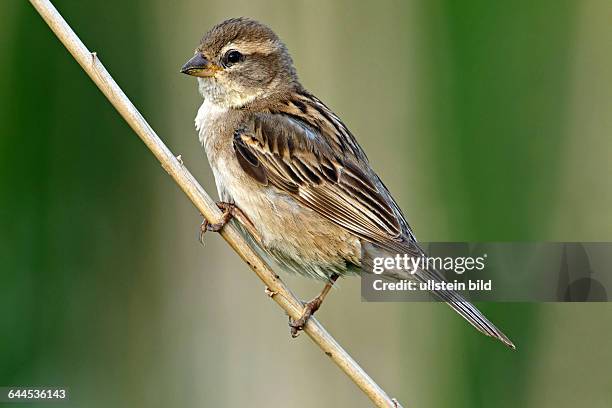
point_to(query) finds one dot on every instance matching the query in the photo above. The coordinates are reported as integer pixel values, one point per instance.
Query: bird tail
(467, 310)
(474, 316)
(457, 302)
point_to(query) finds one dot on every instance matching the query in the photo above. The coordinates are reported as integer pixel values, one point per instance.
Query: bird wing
(288, 154)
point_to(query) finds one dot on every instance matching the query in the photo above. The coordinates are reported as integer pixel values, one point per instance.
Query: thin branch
(201, 200)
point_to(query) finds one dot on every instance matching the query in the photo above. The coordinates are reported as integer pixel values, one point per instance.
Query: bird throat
(223, 95)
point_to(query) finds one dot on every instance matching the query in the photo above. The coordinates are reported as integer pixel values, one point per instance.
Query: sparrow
(290, 171)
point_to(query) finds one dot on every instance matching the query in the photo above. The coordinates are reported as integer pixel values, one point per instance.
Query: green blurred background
(488, 120)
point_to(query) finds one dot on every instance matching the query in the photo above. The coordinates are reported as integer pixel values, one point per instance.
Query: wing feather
(279, 150)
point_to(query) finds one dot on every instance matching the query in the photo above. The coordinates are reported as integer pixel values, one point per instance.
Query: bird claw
(228, 213)
(309, 309)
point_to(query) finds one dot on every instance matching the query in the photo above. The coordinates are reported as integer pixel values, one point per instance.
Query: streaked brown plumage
(291, 165)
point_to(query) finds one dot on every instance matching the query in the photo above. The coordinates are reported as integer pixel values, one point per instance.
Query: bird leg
(311, 307)
(229, 211)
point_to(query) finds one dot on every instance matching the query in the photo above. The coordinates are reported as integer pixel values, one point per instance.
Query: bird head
(239, 61)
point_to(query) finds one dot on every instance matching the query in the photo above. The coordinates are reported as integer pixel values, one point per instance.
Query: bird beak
(199, 66)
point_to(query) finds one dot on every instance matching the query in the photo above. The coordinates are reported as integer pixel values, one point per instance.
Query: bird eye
(232, 57)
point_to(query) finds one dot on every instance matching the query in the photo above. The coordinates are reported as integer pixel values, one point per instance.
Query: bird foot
(309, 309)
(229, 210)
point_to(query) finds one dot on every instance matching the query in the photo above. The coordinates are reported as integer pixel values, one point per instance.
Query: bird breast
(296, 237)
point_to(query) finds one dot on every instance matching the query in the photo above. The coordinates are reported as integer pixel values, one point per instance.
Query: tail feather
(467, 310)
(470, 313)
(457, 302)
